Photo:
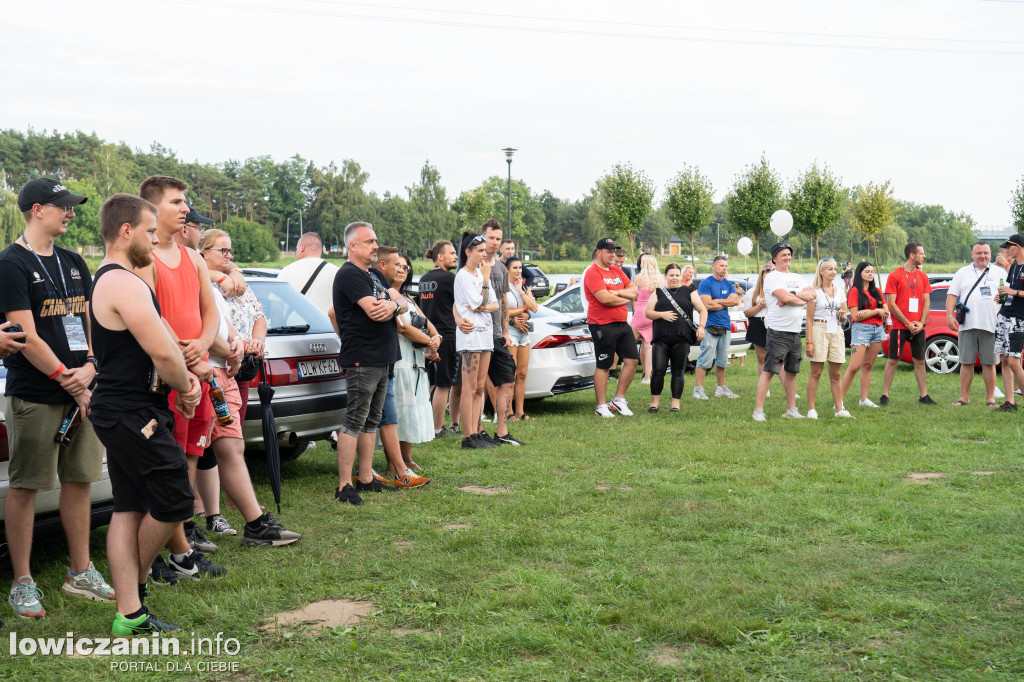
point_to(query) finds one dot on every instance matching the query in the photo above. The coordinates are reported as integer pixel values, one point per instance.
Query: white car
(573, 303)
(561, 355)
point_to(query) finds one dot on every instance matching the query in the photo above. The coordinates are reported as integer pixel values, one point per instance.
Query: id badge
(75, 331)
(915, 305)
(986, 291)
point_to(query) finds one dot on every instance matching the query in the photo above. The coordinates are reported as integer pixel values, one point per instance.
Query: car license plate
(584, 349)
(309, 369)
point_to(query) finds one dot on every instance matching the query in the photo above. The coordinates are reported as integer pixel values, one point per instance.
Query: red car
(942, 354)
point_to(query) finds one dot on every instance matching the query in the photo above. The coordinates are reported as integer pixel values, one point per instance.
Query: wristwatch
(94, 361)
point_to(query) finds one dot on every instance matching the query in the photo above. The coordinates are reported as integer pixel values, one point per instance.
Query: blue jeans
(389, 415)
(714, 350)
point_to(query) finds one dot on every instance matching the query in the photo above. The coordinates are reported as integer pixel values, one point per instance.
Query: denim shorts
(389, 415)
(862, 334)
(714, 350)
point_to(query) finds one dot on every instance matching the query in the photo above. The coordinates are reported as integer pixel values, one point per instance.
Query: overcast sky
(927, 94)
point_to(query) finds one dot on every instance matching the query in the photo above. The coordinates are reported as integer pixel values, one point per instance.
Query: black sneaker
(161, 574)
(1007, 407)
(884, 400)
(348, 494)
(197, 540)
(508, 439)
(470, 443)
(267, 531)
(374, 486)
(194, 566)
(926, 400)
(483, 440)
(486, 437)
(455, 429)
(145, 624)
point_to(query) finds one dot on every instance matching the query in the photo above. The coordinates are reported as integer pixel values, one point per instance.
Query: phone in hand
(14, 329)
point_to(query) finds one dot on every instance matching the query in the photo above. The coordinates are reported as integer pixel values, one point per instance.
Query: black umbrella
(270, 436)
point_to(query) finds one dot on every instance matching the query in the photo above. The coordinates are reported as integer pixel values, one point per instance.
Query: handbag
(682, 313)
(249, 369)
(419, 322)
(960, 310)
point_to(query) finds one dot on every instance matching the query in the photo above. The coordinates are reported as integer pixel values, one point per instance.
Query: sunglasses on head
(479, 239)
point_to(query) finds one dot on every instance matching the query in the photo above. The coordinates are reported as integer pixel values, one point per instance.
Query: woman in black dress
(672, 334)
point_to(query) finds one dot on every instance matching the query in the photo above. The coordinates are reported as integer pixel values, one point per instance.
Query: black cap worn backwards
(47, 191)
(194, 217)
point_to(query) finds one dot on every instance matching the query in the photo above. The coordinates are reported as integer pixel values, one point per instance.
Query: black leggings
(664, 349)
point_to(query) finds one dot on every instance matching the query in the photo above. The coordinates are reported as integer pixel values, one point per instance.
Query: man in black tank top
(148, 472)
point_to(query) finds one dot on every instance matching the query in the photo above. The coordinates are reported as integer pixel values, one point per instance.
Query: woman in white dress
(474, 302)
(412, 388)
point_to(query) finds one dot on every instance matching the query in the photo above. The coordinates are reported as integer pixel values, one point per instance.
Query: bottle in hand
(220, 404)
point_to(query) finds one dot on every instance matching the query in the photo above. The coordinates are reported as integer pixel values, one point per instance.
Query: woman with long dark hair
(868, 312)
(520, 301)
(755, 305)
(672, 335)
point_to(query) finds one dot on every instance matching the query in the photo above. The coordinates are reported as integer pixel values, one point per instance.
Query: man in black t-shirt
(364, 311)
(46, 289)
(437, 296)
(1010, 321)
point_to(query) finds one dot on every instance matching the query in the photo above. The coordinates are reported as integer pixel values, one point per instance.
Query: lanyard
(906, 277)
(60, 269)
(831, 302)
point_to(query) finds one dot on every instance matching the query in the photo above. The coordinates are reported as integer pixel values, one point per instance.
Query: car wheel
(942, 354)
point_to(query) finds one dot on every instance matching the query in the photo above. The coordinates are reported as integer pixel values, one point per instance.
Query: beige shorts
(234, 399)
(827, 347)
(37, 463)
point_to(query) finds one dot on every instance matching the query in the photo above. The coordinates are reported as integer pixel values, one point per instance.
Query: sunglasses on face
(67, 210)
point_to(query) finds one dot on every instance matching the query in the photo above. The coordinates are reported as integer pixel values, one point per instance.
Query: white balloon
(745, 246)
(781, 222)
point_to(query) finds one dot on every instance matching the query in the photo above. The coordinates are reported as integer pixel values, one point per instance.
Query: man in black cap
(46, 289)
(1010, 321)
(608, 292)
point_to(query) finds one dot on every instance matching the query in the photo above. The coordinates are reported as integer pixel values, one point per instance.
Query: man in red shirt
(608, 292)
(906, 292)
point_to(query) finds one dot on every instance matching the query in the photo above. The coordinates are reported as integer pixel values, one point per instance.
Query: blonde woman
(825, 341)
(647, 281)
(754, 308)
(688, 273)
(520, 301)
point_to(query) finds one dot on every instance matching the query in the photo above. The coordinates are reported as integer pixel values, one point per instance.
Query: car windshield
(288, 311)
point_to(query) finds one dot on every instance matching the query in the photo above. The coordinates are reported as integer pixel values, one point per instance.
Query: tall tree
(624, 200)
(816, 201)
(873, 211)
(689, 205)
(756, 194)
(432, 216)
(1017, 206)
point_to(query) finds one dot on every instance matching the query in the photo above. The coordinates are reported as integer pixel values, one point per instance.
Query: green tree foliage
(688, 203)
(874, 210)
(84, 228)
(624, 199)
(756, 194)
(251, 242)
(816, 201)
(947, 236)
(12, 225)
(490, 200)
(472, 208)
(432, 216)
(1017, 206)
(340, 198)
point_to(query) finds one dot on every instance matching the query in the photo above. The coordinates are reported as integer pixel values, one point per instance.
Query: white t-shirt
(783, 318)
(826, 307)
(469, 294)
(321, 291)
(982, 303)
(748, 302)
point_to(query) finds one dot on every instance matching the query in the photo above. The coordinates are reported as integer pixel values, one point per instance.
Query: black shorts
(147, 468)
(444, 372)
(757, 333)
(502, 369)
(782, 351)
(611, 339)
(897, 337)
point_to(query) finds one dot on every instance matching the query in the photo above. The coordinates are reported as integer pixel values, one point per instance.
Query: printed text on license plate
(318, 368)
(584, 348)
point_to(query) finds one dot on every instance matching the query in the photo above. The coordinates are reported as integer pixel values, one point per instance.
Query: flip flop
(961, 403)
(992, 403)
(526, 418)
(513, 418)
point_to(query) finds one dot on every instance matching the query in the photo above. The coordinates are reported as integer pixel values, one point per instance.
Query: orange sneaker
(410, 480)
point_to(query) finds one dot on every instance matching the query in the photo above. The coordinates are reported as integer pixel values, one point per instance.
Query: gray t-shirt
(499, 286)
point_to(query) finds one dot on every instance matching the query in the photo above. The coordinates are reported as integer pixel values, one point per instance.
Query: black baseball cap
(606, 244)
(194, 217)
(781, 246)
(1014, 240)
(47, 191)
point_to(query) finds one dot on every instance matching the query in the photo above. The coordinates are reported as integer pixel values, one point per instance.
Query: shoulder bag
(682, 313)
(960, 310)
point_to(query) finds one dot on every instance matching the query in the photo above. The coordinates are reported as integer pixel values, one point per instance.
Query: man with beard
(45, 289)
(437, 296)
(148, 471)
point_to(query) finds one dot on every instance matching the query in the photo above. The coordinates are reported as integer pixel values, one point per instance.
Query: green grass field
(697, 545)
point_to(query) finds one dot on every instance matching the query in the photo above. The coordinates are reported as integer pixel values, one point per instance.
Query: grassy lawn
(668, 546)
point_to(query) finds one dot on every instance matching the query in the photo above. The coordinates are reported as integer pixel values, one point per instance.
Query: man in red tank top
(180, 279)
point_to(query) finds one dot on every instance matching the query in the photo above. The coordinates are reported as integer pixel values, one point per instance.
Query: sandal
(526, 418)
(961, 403)
(992, 403)
(652, 409)
(674, 409)
(414, 466)
(513, 418)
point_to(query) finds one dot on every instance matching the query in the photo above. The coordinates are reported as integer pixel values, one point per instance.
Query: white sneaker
(767, 394)
(699, 394)
(759, 416)
(645, 382)
(844, 413)
(792, 414)
(724, 392)
(812, 414)
(867, 403)
(620, 406)
(999, 394)
(603, 411)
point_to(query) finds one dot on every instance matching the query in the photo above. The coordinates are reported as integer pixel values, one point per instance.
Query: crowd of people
(154, 353)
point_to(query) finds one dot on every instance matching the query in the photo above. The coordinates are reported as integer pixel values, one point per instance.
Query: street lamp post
(509, 151)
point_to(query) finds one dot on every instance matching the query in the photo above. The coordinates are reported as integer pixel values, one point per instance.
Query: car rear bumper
(310, 417)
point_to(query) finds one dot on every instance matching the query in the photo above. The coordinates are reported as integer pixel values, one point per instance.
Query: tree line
(261, 202)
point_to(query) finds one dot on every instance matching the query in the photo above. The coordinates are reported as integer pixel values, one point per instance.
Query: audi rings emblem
(318, 347)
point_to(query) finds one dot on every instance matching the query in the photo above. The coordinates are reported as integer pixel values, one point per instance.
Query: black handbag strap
(312, 279)
(672, 300)
(983, 273)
